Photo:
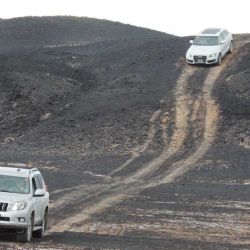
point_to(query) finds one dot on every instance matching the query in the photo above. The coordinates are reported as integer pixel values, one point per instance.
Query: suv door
(37, 200)
(44, 199)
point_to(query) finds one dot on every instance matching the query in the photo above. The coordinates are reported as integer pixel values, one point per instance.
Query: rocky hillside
(34, 32)
(82, 84)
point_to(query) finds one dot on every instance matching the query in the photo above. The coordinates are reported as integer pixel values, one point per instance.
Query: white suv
(210, 46)
(24, 201)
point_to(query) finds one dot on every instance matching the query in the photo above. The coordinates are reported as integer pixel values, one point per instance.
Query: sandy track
(187, 109)
(211, 121)
(182, 111)
(210, 126)
(164, 126)
(181, 124)
(177, 140)
(92, 190)
(141, 149)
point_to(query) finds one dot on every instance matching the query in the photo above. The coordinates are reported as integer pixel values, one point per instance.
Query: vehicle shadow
(8, 236)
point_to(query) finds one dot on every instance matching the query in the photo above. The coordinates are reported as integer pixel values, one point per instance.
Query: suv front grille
(200, 59)
(3, 207)
(4, 218)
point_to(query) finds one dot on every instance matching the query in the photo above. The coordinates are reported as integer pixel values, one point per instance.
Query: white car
(210, 46)
(24, 202)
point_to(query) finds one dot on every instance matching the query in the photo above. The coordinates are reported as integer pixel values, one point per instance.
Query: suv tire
(26, 234)
(40, 232)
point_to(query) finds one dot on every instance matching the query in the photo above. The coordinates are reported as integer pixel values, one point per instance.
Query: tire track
(122, 186)
(141, 149)
(177, 140)
(182, 112)
(177, 169)
(95, 189)
(131, 185)
(164, 127)
(211, 123)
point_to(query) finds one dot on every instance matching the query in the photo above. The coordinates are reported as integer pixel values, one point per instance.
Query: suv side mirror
(191, 41)
(39, 193)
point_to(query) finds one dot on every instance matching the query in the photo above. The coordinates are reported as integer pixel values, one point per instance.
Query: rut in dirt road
(141, 149)
(179, 168)
(130, 185)
(182, 113)
(92, 190)
(177, 140)
(181, 124)
(183, 101)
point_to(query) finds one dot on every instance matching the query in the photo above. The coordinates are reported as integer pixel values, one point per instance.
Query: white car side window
(221, 37)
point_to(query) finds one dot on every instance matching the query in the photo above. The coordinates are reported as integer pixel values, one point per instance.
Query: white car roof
(24, 172)
(211, 32)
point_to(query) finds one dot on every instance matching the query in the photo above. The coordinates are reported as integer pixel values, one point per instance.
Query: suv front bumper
(14, 219)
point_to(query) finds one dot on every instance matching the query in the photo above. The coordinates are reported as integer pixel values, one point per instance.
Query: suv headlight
(19, 205)
(190, 55)
(212, 55)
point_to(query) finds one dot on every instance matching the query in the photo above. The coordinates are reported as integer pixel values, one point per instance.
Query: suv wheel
(40, 232)
(219, 60)
(26, 234)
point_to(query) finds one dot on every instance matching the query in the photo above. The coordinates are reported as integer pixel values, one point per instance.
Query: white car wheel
(219, 59)
(26, 235)
(231, 47)
(40, 232)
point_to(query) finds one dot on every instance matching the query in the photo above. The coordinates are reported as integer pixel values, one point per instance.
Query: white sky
(179, 17)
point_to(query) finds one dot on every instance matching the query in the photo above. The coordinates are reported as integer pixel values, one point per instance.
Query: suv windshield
(206, 40)
(14, 184)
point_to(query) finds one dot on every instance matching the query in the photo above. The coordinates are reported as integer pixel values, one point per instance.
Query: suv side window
(225, 34)
(40, 178)
(39, 184)
(34, 186)
(222, 37)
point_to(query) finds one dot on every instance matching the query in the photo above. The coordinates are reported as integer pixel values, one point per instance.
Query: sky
(178, 17)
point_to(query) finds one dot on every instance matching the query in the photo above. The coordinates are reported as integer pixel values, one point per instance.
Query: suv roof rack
(33, 170)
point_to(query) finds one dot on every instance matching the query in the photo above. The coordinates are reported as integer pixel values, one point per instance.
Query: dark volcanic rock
(233, 93)
(33, 32)
(99, 94)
